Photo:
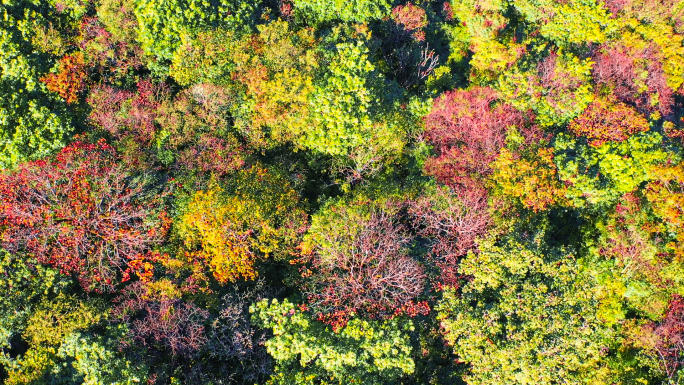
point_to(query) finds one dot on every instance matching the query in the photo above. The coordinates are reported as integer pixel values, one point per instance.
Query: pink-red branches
(451, 221)
(620, 69)
(170, 322)
(372, 274)
(670, 332)
(81, 213)
(467, 130)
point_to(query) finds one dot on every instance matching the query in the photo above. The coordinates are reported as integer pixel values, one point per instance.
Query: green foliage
(531, 217)
(575, 22)
(557, 95)
(526, 317)
(359, 11)
(23, 282)
(359, 117)
(346, 109)
(601, 175)
(98, 360)
(368, 352)
(164, 25)
(46, 329)
(33, 122)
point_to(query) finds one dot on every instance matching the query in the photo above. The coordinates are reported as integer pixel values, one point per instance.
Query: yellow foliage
(532, 183)
(666, 195)
(31, 366)
(48, 326)
(210, 223)
(491, 58)
(228, 228)
(641, 38)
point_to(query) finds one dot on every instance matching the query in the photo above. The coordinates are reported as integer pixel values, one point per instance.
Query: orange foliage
(70, 80)
(531, 182)
(666, 196)
(228, 229)
(223, 246)
(608, 120)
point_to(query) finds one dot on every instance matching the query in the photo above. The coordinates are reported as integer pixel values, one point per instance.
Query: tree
(556, 88)
(46, 329)
(255, 216)
(152, 129)
(467, 131)
(82, 213)
(526, 317)
(70, 81)
(670, 339)
(24, 283)
(153, 317)
(98, 360)
(163, 25)
(525, 175)
(235, 341)
(359, 11)
(271, 73)
(33, 122)
(449, 220)
(360, 265)
(576, 22)
(617, 67)
(307, 352)
(601, 175)
(605, 120)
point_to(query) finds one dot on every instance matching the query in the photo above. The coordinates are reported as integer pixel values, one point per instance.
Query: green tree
(164, 25)
(33, 121)
(308, 352)
(358, 11)
(601, 175)
(527, 316)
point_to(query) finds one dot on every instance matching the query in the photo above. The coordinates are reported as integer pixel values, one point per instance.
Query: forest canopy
(316, 192)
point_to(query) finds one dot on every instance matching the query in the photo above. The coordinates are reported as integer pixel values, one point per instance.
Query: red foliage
(128, 114)
(670, 332)
(70, 81)
(111, 58)
(152, 318)
(650, 11)
(411, 18)
(467, 130)
(286, 9)
(608, 120)
(618, 68)
(615, 6)
(81, 213)
(194, 124)
(451, 221)
(373, 275)
(211, 154)
(448, 11)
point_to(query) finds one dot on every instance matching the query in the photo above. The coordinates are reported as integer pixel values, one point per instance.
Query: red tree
(619, 68)
(608, 120)
(195, 126)
(467, 130)
(128, 114)
(81, 213)
(372, 274)
(153, 318)
(450, 221)
(670, 332)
